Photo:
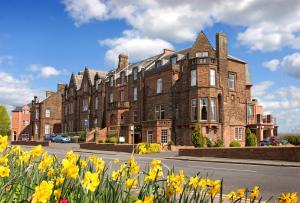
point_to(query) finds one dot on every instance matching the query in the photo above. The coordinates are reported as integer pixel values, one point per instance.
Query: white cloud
(84, 11)
(291, 65)
(134, 46)
(260, 89)
(15, 92)
(272, 65)
(6, 60)
(45, 71)
(283, 102)
(269, 24)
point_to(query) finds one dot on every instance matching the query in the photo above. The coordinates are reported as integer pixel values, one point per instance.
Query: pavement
(274, 177)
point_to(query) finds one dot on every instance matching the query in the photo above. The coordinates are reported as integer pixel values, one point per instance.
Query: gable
(201, 44)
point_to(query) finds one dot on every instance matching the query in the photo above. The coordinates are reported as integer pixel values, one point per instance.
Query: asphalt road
(272, 179)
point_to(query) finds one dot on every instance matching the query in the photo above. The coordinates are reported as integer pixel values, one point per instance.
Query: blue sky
(43, 42)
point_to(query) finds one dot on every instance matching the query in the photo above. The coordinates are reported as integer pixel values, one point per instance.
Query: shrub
(111, 140)
(100, 141)
(198, 139)
(146, 148)
(293, 139)
(75, 139)
(235, 144)
(219, 143)
(251, 139)
(208, 142)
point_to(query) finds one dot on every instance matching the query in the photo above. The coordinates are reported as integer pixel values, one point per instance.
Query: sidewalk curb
(235, 162)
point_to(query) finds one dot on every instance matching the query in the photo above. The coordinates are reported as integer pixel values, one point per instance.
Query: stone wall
(261, 153)
(31, 143)
(108, 147)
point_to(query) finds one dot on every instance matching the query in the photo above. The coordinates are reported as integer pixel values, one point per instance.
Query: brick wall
(108, 147)
(261, 153)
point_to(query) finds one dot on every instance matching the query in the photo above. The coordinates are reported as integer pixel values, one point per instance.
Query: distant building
(263, 126)
(46, 114)
(20, 125)
(165, 96)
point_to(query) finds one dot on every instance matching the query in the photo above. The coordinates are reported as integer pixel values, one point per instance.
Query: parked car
(62, 138)
(49, 137)
(265, 142)
(25, 137)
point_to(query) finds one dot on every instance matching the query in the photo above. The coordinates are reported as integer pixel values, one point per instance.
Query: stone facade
(46, 114)
(164, 96)
(20, 125)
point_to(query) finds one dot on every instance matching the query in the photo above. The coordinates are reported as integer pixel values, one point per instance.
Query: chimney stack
(61, 87)
(123, 61)
(221, 46)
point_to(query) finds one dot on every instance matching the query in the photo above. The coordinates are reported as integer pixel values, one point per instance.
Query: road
(272, 179)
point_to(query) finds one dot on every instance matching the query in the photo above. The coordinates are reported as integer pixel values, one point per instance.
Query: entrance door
(15, 135)
(137, 138)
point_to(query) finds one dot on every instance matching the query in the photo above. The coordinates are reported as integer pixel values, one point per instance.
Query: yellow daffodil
(17, 150)
(3, 143)
(50, 172)
(288, 198)
(59, 181)
(147, 199)
(46, 162)
(240, 193)
(24, 158)
(231, 196)
(57, 194)
(69, 169)
(202, 183)
(170, 191)
(130, 182)
(3, 160)
(90, 181)
(42, 192)
(214, 187)
(83, 163)
(116, 161)
(134, 168)
(4, 171)
(254, 193)
(37, 151)
(194, 182)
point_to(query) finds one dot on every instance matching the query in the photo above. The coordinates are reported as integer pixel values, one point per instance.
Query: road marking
(226, 169)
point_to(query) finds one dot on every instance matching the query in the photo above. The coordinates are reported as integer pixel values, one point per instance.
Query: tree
(4, 121)
(251, 139)
(198, 139)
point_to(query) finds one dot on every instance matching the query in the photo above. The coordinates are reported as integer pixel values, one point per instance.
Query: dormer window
(135, 73)
(202, 54)
(97, 84)
(158, 64)
(173, 59)
(111, 81)
(122, 76)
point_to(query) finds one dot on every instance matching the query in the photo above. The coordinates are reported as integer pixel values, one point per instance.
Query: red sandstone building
(166, 95)
(46, 114)
(20, 126)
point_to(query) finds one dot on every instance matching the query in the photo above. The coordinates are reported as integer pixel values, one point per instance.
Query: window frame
(193, 75)
(47, 113)
(194, 110)
(135, 94)
(238, 133)
(164, 136)
(47, 129)
(212, 80)
(231, 82)
(122, 95)
(149, 135)
(213, 108)
(202, 105)
(135, 73)
(158, 64)
(159, 86)
(111, 97)
(122, 77)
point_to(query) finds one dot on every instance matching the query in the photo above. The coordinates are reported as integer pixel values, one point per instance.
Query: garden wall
(107, 147)
(261, 153)
(31, 143)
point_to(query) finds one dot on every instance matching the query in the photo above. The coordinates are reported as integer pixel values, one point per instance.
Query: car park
(49, 137)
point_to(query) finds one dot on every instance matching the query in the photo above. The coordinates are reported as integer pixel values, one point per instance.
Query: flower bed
(35, 176)
(146, 148)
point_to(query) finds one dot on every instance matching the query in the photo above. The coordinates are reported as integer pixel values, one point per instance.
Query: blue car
(49, 138)
(62, 138)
